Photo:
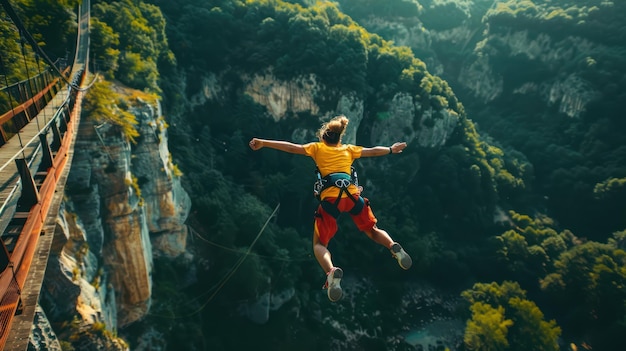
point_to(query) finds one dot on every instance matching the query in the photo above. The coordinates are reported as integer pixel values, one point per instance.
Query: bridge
(37, 135)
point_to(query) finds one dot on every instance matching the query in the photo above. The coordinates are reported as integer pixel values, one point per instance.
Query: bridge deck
(8, 152)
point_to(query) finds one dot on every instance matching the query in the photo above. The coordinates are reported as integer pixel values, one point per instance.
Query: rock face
(124, 204)
(434, 130)
(570, 93)
(282, 97)
(166, 204)
(42, 337)
(296, 96)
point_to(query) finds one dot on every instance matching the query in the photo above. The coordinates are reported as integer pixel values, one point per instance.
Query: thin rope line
(232, 271)
(212, 243)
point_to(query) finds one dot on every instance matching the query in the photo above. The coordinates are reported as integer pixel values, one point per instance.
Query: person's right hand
(255, 144)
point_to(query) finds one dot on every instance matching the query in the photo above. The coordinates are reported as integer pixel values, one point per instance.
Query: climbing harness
(342, 181)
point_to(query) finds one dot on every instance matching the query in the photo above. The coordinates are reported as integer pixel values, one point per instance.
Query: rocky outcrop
(479, 77)
(124, 204)
(101, 182)
(569, 92)
(166, 204)
(434, 127)
(42, 337)
(280, 97)
(258, 310)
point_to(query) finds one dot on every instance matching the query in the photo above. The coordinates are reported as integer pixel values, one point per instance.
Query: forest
(518, 220)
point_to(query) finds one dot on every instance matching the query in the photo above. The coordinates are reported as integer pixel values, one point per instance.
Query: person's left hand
(398, 147)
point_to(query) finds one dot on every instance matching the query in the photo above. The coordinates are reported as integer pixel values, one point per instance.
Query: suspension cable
(6, 82)
(45, 85)
(30, 84)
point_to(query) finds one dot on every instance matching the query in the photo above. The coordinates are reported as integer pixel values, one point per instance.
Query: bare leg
(380, 236)
(322, 254)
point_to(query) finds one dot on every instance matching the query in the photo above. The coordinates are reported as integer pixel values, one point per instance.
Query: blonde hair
(333, 130)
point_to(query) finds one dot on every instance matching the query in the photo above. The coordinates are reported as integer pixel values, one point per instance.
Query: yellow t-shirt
(333, 159)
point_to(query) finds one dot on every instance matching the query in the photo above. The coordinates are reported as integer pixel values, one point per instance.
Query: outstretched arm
(396, 148)
(256, 144)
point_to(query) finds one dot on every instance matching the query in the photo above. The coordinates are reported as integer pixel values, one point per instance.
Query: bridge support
(63, 126)
(56, 137)
(4, 257)
(30, 194)
(46, 157)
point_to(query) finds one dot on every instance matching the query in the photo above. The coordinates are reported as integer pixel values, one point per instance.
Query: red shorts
(326, 225)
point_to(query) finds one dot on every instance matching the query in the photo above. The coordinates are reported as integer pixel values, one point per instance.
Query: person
(334, 161)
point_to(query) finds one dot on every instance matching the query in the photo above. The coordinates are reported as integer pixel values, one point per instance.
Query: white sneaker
(333, 278)
(403, 258)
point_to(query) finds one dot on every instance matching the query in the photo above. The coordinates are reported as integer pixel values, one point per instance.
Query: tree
(530, 331)
(487, 329)
(104, 43)
(587, 288)
(503, 319)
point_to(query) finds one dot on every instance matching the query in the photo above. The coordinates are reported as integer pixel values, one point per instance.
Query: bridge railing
(30, 179)
(22, 101)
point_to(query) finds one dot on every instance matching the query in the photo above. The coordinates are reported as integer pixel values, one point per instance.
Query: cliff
(124, 204)
(298, 95)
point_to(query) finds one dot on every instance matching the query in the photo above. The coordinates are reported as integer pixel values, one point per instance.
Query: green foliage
(51, 23)
(395, 8)
(66, 345)
(610, 187)
(103, 104)
(530, 331)
(532, 245)
(103, 42)
(13, 69)
(586, 281)
(546, 14)
(130, 41)
(487, 330)
(135, 71)
(503, 319)
(444, 15)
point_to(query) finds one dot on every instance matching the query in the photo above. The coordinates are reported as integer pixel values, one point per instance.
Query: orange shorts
(326, 225)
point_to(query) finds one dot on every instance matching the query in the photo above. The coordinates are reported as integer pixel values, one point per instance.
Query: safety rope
(220, 284)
